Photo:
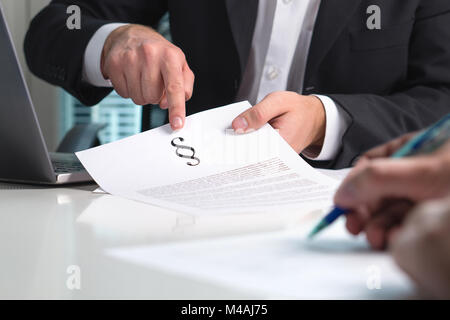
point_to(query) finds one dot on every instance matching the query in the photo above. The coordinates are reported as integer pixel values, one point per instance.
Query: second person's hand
(144, 66)
(421, 246)
(381, 191)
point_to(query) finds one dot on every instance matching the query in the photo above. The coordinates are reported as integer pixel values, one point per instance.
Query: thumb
(257, 116)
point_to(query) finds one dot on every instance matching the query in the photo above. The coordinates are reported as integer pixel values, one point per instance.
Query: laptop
(24, 157)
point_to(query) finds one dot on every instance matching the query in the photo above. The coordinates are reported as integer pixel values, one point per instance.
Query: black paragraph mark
(179, 146)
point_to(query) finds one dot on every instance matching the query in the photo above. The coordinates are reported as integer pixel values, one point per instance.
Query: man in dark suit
(336, 77)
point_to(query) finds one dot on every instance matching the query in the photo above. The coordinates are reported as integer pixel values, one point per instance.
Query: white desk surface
(43, 231)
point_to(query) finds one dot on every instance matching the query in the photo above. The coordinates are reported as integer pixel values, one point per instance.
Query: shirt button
(287, 1)
(272, 73)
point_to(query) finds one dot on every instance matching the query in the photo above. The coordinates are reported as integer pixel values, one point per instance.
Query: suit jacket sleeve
(55, 53)
(421, 100)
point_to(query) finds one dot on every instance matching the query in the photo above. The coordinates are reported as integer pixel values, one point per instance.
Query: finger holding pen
(381, 190)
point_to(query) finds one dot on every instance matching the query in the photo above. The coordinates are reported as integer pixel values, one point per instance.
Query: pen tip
(312, 234)
(322, 225)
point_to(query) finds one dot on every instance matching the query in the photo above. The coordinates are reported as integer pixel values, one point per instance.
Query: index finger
(388, 149)
(172, 73)
(409, 178)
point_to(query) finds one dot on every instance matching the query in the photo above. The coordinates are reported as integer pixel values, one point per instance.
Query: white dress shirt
(271, 61)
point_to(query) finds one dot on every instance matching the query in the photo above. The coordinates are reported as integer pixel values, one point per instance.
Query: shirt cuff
(337, 123)
(92, 72)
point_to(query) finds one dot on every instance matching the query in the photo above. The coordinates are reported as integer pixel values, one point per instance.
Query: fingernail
(240, 125)
(177, 123)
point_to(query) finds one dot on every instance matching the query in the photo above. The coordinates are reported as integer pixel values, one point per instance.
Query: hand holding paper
(300, 119)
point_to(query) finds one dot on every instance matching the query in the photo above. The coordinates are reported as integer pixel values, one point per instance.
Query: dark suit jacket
(390, 81)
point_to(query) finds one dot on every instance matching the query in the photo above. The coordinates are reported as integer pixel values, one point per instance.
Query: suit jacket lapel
(333, 16)
(242, 15)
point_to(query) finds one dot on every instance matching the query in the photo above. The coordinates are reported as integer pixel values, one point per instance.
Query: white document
(205, 168)
(283, 264)
(338, 175)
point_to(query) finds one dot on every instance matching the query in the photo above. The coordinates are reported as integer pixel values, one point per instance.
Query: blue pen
(434, 137)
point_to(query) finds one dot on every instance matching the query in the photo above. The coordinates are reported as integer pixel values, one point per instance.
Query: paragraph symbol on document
(183, 147)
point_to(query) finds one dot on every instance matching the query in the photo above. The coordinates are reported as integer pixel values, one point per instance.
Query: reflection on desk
(44, 231)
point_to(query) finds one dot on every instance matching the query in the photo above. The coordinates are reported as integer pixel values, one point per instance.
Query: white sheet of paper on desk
(258, 171)
(338, 175)
(281, 264)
